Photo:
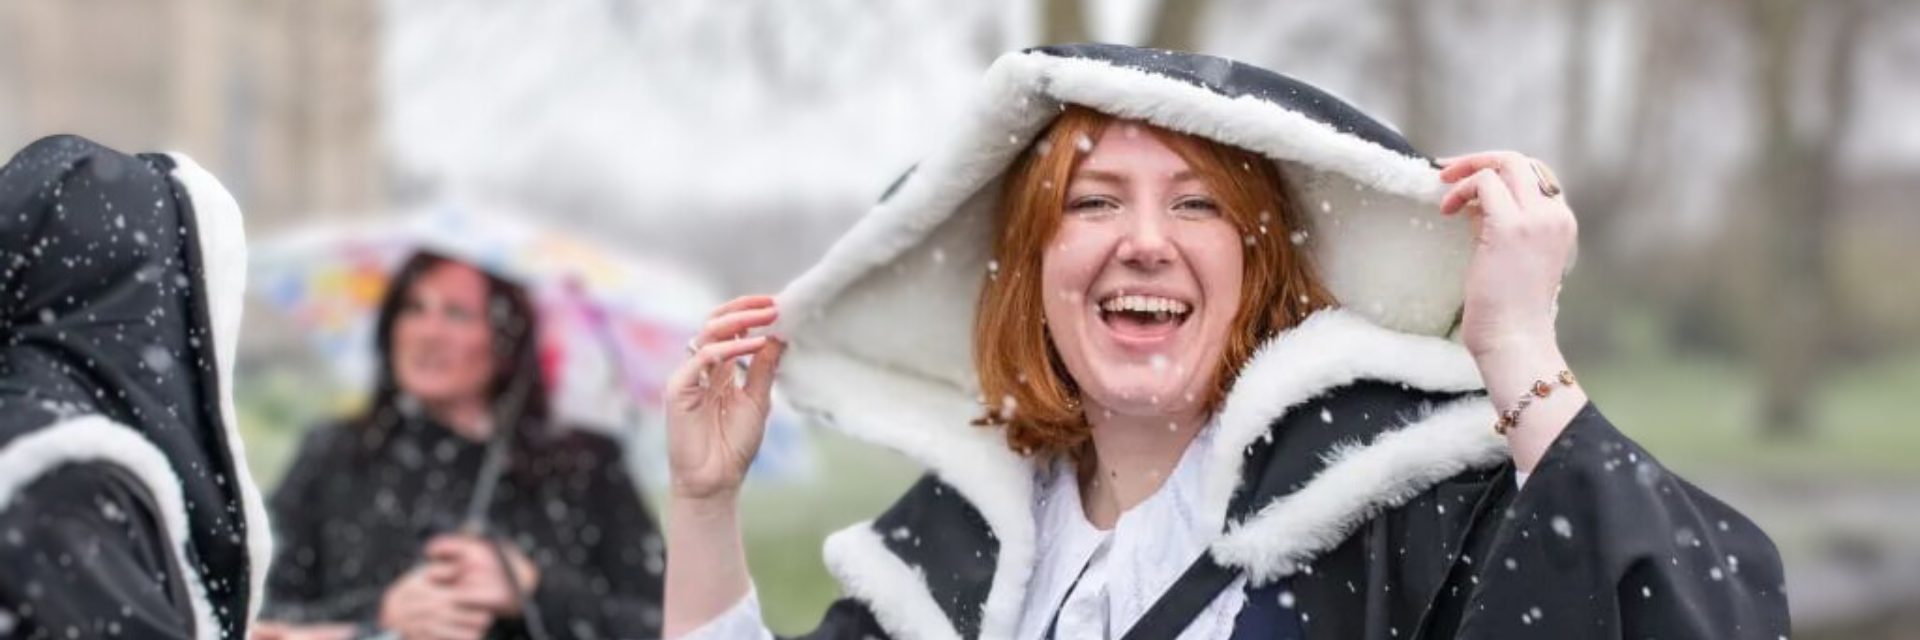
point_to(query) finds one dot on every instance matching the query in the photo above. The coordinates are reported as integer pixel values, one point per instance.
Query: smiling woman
(1191, 349)
(1184, 208)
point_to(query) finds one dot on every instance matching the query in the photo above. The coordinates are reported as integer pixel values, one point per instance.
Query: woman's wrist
(1516, 367)
(1510, 365)
(706, 561)
(721, 506)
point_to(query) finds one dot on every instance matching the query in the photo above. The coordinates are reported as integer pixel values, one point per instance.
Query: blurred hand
(264, 630)
(715, 423)
(422, 605)
(1523, 240)
(480, 579)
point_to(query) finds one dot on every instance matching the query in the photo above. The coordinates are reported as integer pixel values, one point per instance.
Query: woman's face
(1142, 281)
(442, 341)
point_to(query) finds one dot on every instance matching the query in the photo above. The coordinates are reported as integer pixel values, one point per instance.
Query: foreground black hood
(120, 279)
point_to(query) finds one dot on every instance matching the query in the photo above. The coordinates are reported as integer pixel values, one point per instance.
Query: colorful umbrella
(613, 327)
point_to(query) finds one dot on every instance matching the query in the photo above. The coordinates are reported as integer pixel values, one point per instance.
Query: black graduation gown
(357, 507)
(1600, 542)
(125, 506)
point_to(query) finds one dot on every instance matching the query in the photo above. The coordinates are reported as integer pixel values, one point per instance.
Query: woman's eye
(1092, 204)
(1197, 207)
(460, 314)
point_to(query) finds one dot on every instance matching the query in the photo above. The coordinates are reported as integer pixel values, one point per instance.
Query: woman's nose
(1146, 244)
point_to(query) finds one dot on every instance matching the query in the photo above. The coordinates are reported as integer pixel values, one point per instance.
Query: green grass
(784, 525)
(275, 408)
(1702, 416)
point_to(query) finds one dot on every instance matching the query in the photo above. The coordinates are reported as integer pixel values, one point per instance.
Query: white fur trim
(1360, 482)
(898, 290)
(221, 233)
(1330, 349)
(975, 461)
(96, 439)
(895, 593)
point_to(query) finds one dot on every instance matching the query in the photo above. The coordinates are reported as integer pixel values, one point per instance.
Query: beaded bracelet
(1540, 389)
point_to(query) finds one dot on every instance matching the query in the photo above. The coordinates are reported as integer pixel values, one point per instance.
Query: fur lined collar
(222, 236)
(880, 328)
(94, 438)
(1332, 349)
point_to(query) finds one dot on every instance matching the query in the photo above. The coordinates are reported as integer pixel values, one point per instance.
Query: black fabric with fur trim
(1236, 79)
(1469, 557)
(103, 313)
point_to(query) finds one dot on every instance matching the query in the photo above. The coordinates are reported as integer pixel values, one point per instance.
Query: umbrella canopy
(613, 326)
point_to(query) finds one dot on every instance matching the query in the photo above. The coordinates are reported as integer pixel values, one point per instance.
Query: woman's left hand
(1524, 238)
(482, 578)
(1523, 235)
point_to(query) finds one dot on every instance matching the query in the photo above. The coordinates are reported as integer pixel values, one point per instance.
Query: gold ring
(1549, 185)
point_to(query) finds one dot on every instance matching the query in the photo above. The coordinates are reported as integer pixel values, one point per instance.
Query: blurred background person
(373, 523)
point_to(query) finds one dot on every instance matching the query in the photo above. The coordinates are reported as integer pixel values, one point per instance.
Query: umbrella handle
(509, 410)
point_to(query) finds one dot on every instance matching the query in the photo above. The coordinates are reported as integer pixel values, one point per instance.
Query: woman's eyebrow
(1114, 177)
(1100, 175)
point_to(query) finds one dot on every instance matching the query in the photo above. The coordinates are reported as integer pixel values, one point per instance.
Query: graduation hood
(122, 279)
(881, 327)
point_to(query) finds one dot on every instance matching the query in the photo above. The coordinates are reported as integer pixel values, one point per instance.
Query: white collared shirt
(1121, 572)
(1126, 568)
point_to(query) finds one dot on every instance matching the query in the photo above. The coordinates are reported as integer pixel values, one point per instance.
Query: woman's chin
(1144, 399)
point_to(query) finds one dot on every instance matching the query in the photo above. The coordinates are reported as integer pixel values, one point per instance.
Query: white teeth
(1144, 304)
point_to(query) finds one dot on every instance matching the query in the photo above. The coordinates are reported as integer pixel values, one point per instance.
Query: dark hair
(516, 350)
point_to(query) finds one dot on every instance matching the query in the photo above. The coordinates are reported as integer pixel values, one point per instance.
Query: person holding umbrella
(452, 506)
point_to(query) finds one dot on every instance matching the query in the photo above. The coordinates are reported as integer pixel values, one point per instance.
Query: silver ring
(693, 345)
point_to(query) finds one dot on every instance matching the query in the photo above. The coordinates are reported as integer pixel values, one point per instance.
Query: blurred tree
(1174, 24)
(1063, 22)
(1798, 169)
(1422, 118)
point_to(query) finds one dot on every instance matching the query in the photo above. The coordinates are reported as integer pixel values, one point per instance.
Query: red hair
(1023, 382)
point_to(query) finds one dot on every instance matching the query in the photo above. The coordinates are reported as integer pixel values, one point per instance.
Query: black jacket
(1600, 541)
(358, 505)
(126, 508)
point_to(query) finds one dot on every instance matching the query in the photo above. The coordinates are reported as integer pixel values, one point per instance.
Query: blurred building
(277, 97)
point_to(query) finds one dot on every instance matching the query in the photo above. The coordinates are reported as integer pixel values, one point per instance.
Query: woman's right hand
(714, 422)
(422, 605)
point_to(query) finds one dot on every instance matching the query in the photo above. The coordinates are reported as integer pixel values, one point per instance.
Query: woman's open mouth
(1136, 317)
